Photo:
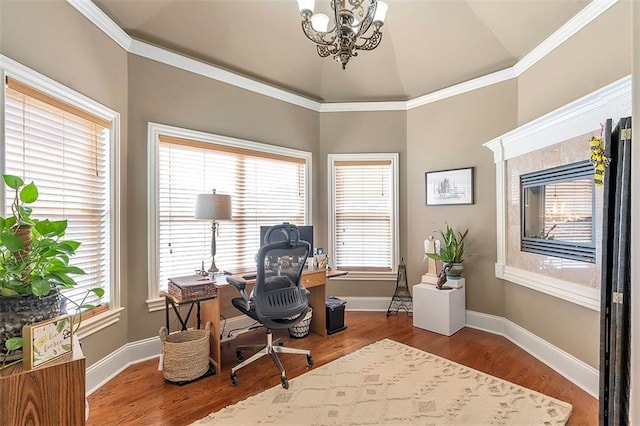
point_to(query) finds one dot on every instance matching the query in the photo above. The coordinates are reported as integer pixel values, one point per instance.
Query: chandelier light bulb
(304, 5)
(381, 12)
(320, 22)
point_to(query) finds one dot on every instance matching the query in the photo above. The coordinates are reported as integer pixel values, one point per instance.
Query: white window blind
(265, 188)
(65, 152)
(363, 215)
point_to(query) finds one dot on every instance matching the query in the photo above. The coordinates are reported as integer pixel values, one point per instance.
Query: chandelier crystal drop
(352, 20)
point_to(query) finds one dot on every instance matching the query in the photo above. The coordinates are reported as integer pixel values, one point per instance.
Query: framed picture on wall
(449, 187)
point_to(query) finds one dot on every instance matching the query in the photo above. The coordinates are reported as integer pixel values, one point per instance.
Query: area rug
(389, 383)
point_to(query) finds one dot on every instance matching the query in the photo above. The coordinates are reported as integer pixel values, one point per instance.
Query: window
(68, 151)
(558, 212)
(267, 184)
(363, 214)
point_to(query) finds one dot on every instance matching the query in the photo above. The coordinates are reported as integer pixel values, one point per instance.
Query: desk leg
(166, 313)
(317, 301)
(210, 311)
(198, 316)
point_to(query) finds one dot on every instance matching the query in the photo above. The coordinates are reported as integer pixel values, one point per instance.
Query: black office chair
(278, 299)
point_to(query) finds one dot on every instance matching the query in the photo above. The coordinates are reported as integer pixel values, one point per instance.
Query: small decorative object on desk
(46, 340)
(320, 261)
(192, 287)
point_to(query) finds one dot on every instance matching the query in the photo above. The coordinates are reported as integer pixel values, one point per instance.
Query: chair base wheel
(285, 382)
(309, 360)
(234, 379)
(239, 356)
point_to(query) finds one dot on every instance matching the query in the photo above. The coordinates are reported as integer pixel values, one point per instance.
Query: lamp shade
(213, 206)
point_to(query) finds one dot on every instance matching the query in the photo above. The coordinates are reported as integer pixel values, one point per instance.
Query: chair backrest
(279, 298)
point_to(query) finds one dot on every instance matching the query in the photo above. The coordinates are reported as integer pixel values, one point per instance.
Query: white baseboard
(371, 304)
(577, 371)
(132, 353)
(110, 366)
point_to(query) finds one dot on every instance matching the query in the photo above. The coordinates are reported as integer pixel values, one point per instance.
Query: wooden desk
(313, 279)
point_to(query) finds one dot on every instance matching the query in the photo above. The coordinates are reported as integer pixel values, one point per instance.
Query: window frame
(393, 157)
(154, 132)
(50, 87)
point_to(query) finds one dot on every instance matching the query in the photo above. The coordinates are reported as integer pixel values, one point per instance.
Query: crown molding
(185, 63)
(458, 89)
(571, 27)
(94, 14)
(100, 19)
(363, 106)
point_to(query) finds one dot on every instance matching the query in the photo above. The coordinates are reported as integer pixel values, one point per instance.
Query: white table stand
(440, 311)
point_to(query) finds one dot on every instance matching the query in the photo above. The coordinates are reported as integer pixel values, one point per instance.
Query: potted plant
(451, 252)
(34, 267)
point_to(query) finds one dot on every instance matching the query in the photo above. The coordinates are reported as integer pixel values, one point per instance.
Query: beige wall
(57, 41)
(594, 57)
(449, 134)
(568, 326)
(361, 132)
(163, 94)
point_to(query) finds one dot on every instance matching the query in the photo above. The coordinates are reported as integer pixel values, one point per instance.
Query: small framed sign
(46, 340)
(447, 187)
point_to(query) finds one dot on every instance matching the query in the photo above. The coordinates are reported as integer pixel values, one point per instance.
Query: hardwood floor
(140, 395)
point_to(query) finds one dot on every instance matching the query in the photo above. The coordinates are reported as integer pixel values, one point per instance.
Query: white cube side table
(440, 311)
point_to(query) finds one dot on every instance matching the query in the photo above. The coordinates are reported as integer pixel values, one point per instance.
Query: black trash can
(335, 315)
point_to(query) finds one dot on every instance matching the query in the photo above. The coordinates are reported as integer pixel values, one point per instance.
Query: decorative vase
(455, 270)
(18, 311)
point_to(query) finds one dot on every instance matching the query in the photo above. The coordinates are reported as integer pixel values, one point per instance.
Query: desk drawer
(314, 279)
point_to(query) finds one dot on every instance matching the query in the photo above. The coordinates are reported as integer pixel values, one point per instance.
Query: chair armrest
(241, 285)
(237, 283)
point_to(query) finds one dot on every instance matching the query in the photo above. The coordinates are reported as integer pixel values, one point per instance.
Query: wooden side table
(169, 300)
(52, 394)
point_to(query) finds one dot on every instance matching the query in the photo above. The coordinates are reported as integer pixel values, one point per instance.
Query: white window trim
(13, 69)
(395, 249)
(576, 118)
(154, 130)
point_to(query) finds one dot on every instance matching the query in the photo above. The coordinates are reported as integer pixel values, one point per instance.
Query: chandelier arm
(372, 42)
(368, 20)
(317, 36)
(323, 51)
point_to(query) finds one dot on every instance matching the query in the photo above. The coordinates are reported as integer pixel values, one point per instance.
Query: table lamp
(213, 207)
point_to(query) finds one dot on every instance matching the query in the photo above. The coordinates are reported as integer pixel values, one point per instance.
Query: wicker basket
(185, 354)
(301, 329)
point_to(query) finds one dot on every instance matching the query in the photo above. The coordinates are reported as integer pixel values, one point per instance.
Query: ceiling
(427, 45)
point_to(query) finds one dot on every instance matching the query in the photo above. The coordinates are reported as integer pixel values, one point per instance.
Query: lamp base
(213, 268)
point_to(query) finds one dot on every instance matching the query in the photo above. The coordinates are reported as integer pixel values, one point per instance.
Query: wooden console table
(53, 394)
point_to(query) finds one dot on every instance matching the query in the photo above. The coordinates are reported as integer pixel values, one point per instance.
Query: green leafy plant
(452, 248)
(34, 256)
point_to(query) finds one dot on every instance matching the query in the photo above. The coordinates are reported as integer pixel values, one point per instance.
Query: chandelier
(351, 22)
